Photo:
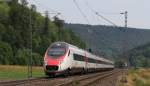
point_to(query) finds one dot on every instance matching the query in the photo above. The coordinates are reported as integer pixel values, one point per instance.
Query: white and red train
(63, 58)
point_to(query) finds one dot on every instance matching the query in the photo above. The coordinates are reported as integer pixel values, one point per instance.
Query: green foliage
(19, 72)
(119, 64)
(22, 56)
(58, 22)
(6, 53)
(16, 21)
(4, 9)
(139, 82)
(37, 59)
(139, 56)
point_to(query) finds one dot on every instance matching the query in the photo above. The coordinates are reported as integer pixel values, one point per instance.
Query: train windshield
(56, 50)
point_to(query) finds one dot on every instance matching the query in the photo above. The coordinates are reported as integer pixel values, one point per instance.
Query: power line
(96, 13)
(45, 6)
(82, 13)
(105, 18)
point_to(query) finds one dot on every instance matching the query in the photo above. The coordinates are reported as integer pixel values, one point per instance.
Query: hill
(110, 41)
(25, 32)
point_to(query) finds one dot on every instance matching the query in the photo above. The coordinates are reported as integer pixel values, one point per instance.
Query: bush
(6, 53)
(37, 59)
(22, 56)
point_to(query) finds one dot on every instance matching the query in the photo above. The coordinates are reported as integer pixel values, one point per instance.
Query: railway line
(89, 80)
(20, 82)
(74, 80)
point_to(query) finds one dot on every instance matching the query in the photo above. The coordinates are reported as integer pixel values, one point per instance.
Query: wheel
(67, 72)
(83, 71)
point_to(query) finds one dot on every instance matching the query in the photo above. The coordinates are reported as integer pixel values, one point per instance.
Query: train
(64, 58)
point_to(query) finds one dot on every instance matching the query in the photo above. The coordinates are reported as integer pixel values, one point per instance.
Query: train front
(54, 57)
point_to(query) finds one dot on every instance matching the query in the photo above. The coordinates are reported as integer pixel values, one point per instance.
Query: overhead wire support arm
(96, 13)
(105, 19)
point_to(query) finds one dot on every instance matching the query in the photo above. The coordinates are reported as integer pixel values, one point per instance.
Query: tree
(59, 23)
(119, 64)
(24, 2)
(19, 17)
(37, 59)
(22, 56)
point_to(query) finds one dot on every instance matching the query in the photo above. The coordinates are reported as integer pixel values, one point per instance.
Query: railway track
(75, 80)
(20, 82)
(90, 79)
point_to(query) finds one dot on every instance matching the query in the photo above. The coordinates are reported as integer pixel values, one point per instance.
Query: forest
(24, 32)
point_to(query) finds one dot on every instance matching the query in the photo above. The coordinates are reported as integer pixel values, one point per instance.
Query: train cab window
(56, 50)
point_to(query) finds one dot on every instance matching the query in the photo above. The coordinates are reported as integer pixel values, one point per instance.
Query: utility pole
(126, 19)
(46, 23)
(30, 58)
(125, 42)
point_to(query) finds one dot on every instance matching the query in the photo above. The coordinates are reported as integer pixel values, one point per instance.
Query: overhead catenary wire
(44, 6)
(82, 13)
(96, 13)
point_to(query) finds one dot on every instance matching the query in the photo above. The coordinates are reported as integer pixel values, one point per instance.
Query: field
(11, 72)
(137, 77)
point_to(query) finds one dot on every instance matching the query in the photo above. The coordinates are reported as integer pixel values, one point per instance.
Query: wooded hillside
(23, 30)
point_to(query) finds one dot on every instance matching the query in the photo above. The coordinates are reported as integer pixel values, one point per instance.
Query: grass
(11, 72)
(137, 77)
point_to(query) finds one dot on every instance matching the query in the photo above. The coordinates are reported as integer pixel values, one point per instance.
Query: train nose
(51, 68)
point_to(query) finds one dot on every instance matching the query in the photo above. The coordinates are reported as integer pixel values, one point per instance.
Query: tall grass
(138, 77)
(18, 72)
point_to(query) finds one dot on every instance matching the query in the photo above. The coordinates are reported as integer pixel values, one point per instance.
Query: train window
(78, 57)
(56, 52)
(91, 60)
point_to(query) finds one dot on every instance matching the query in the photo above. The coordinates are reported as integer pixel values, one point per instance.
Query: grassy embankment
(137, 77)
(9, 72)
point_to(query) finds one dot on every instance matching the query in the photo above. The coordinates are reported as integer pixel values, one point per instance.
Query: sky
(138, 11)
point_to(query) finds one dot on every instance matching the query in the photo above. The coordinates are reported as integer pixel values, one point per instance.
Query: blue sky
(138, 11)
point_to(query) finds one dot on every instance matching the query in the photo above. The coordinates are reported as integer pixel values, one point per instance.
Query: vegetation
(137, 77)
(23, 29)
(140, 56)
(18, 72)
